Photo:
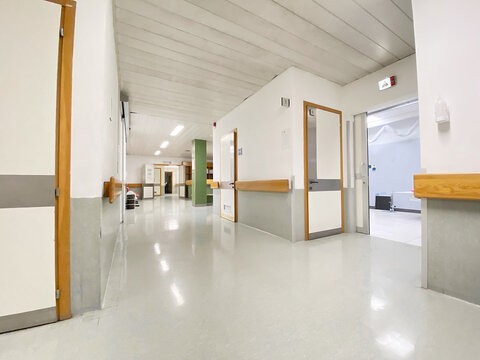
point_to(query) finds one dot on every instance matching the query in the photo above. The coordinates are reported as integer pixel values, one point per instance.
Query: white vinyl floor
(186, 284)
(398, 226)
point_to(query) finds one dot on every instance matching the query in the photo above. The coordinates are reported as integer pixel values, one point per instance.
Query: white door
(362, 210)
(157, 181)
(325, 210)
(228, 195)
(29, 38)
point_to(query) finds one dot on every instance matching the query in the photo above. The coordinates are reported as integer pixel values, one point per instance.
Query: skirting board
(402, 210)
(322, 234)
(28, 319)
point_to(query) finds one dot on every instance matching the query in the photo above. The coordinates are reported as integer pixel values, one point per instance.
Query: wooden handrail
(112, 189)
(447, 186)
(213, 184)
(132, 185)
(278, 186)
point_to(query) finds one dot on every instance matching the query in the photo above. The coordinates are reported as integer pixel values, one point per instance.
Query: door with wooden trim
(29, 34)
(362, 210)
(323, 171)
(228, 176)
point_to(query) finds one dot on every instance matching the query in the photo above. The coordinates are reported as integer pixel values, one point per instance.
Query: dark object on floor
(131, 201)
(383, 202)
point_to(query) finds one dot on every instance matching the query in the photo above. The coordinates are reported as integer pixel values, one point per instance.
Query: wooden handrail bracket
(447, 186)
(112, 189)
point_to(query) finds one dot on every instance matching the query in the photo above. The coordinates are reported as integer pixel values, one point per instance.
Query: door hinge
(57, 192)
(61, 32)
(57, 294)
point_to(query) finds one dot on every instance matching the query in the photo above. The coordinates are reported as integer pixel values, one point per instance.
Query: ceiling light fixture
(177, 130)
(164, 145)
(157, 152)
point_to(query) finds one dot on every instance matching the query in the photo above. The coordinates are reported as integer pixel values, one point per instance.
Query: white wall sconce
(442, 115)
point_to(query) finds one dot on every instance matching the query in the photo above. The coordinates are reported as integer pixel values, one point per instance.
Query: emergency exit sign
(387, 83)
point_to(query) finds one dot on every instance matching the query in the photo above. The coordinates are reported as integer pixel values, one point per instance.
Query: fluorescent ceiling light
(177, 130)
(164, 145)
(157, 152)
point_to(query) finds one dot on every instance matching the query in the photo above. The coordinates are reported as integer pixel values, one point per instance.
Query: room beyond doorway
(168, 182)
(393, 159)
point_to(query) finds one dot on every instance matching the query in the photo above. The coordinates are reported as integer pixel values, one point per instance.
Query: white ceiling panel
(190, 62)
(148, 132)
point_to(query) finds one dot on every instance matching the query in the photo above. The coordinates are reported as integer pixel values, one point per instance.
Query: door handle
(232, 184)
(313, 181)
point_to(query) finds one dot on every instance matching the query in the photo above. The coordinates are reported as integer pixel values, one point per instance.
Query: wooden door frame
(235, 175)
(307, 104)
(63, 158)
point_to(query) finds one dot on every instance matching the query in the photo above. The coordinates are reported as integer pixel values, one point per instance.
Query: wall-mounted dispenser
(442, 114)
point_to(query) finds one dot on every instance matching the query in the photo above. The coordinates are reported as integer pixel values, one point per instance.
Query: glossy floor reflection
(186, 284)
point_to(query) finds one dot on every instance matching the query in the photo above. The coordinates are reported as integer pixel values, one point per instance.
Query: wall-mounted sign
(387, 83)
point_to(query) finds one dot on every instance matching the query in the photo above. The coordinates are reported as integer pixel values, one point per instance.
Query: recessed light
(164, 145)
(177, 130)
(157, 152)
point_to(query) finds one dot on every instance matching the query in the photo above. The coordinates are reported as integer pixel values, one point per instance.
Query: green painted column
(199, 172)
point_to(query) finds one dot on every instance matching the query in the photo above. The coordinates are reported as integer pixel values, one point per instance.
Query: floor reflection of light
(164, 265)
(172, 224)
(176, 293)
(396, 343)
(377, 303)
(157, 248)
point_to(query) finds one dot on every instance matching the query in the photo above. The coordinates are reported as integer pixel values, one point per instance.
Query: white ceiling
(148, 132)
(191, 61)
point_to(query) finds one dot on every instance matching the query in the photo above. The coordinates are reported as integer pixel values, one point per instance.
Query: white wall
(136, 163)
(363, 95)
(448, 51)
(271, 136)
(95, 100)
(260, 121)
(314, 89)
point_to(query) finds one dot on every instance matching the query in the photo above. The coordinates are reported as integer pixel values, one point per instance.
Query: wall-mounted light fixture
(164, 145)
(177, 130)
(285, 102)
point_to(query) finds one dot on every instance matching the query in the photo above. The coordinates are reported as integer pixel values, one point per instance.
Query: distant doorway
(168, 182)
(393, 159)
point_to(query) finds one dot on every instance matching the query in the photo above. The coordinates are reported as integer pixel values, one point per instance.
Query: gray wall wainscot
(270, 212)
(110, 227)
(94, 226)
(453, 248)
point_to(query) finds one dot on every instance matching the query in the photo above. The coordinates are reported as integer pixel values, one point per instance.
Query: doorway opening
(168, 182)
(393, 158)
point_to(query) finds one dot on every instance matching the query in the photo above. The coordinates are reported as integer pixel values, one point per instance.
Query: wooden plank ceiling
(189, 62)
